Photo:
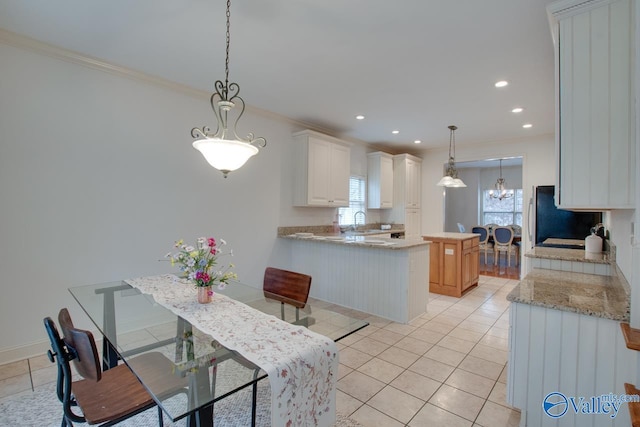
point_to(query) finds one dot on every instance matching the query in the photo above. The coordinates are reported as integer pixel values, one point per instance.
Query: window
(357, 186)
(502, 212)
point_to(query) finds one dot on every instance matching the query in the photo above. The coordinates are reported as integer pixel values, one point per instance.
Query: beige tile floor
(446, 368)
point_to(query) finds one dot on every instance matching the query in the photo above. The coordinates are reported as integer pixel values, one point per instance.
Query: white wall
(98, 178)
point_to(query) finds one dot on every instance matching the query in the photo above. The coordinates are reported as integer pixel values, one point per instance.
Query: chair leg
(254, 398)
(160, 417)
(509, 257)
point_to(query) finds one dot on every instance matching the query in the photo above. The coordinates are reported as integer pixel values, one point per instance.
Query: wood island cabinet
(453, 262)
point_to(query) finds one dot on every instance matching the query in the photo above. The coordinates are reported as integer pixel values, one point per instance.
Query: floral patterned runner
(302, 365)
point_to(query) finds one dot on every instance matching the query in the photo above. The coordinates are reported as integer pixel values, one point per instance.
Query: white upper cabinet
(406, 180)
(406, 194)
(322, 169)
(595, 123)
(379, 180)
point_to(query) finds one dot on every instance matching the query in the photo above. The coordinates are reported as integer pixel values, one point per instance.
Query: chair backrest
(516, 228)
(503, 235)
(483, 232)
(87, 362)
(293, 287)
(461, 228)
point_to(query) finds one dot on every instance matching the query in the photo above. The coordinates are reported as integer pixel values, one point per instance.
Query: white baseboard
(15, 354)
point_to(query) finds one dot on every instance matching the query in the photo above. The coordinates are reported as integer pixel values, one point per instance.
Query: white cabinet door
(412, 225)
(339, 172)
(322, 170)
(413, 184)
(380, 180)
(319, 175)
(596, 114)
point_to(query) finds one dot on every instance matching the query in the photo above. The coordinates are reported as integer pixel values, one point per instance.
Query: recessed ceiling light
(502, 83)
(360, 117)
(517, 110)
(527, 125)
(395, 132)
(417, 141)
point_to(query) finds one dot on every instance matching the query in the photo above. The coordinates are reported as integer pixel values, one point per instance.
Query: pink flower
(210, 293)
(213, 251)
(211, 242)
(201, 275)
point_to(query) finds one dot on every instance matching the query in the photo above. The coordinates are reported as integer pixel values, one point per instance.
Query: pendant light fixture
(500, 192)
(224, 149)
(450, 178)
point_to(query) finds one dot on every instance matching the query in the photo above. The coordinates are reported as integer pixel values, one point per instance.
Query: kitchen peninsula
(378, 275)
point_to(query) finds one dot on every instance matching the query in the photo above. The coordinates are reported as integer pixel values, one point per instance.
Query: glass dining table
(133, 323)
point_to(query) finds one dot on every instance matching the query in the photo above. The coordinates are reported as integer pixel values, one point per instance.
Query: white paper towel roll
(593, 244)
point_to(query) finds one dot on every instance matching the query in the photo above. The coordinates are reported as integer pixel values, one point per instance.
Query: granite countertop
(569, 255)
(589, 294)
(358, 241)
(450, 235)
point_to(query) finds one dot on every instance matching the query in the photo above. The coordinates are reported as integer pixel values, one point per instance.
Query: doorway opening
(480, 203)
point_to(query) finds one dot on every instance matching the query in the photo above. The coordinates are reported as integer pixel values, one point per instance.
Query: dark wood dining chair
(103, 397)
(287, 287)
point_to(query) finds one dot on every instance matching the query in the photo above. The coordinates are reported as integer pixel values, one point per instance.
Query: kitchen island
(380, 276)
(565, 337)
(454, 262)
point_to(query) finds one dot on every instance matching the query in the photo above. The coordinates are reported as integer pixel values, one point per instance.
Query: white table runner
(302, 365)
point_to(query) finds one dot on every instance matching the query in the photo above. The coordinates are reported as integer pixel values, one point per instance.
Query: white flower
(222, 285)
(168, 255)
(189, 249)
(223, 242)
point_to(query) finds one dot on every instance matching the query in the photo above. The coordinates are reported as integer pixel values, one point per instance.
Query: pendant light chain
(224, 149)
(453, 138)
(226, 64)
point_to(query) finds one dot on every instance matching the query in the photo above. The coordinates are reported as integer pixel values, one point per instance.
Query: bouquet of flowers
(200, 263)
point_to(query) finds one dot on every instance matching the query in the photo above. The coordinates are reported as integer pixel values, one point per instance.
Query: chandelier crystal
(224, 149)
(450, 178)
(500, 191)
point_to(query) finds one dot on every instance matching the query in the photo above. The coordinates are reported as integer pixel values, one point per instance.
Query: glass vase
(204, 294)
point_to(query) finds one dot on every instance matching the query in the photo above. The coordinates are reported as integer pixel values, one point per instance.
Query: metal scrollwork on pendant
(223, 100)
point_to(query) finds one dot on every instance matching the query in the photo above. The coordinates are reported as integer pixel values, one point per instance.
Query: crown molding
(37, 46)
(67, 55)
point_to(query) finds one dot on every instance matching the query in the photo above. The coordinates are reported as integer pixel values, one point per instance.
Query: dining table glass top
(133, 323)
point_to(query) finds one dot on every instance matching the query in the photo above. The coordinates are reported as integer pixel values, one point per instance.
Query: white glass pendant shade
(446, 181)
(225, 155)
(458, 183)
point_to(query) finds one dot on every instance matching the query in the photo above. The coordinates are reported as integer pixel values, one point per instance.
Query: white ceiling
(412, 65)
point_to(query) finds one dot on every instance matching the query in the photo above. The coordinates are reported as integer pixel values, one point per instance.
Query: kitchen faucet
(355, 219)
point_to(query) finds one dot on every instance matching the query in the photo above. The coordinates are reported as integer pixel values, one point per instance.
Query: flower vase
(204, 294)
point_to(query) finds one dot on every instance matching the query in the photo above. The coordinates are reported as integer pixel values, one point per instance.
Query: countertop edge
(618, 281)
(395, 244)
(562, 254)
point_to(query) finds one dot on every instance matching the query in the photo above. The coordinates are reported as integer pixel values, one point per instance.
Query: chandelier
(450, 178)
(224, 149)
(500, 192)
